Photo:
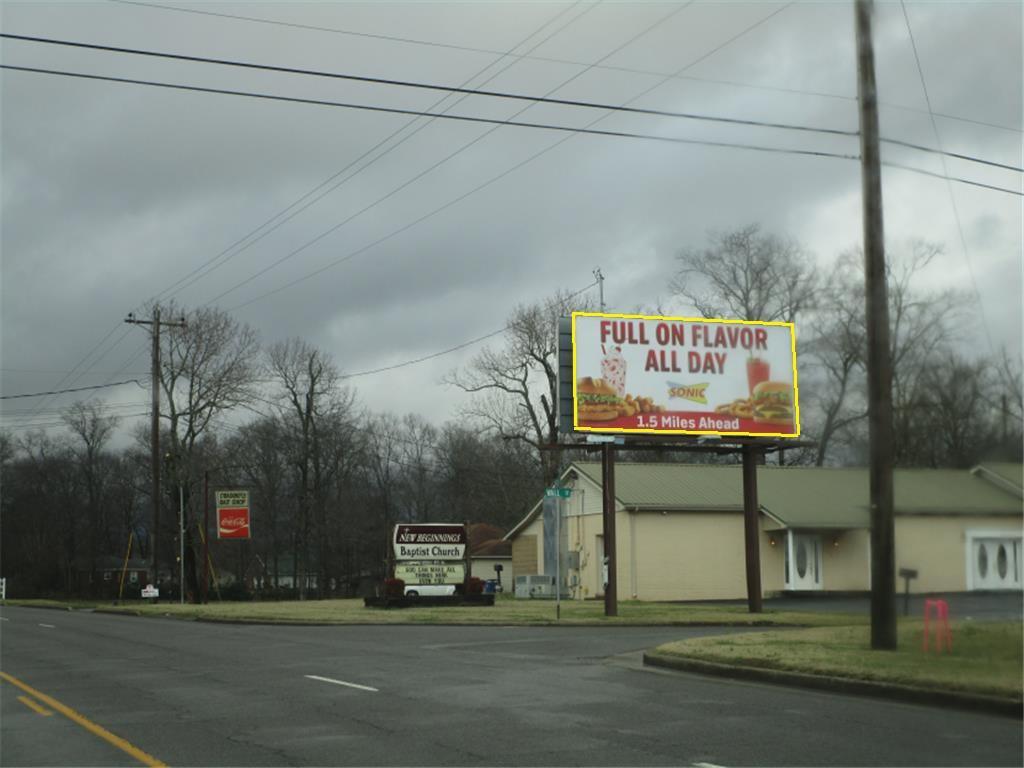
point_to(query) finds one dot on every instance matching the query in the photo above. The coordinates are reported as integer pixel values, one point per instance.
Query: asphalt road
(228, 695)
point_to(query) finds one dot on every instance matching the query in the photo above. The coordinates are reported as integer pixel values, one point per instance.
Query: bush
(394, 588)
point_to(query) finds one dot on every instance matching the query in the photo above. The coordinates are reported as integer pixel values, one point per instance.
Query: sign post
(560, 494)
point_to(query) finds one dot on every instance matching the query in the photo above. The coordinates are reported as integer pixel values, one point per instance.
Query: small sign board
(431, 573)
(430, 541)
(233, 515)
(150, 591)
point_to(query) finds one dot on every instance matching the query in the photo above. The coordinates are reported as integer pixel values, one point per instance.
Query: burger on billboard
(648, 374)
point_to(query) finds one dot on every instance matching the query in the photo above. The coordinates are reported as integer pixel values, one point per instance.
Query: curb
(937, 698)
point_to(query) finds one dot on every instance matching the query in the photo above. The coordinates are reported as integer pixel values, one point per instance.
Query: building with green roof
(679, 530)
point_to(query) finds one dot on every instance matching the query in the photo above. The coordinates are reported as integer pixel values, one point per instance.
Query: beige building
(679, 530)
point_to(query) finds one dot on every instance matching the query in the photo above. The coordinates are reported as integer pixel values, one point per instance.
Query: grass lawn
(986, 657)
(506, 611)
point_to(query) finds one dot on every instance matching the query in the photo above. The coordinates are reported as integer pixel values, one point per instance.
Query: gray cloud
(112, 193)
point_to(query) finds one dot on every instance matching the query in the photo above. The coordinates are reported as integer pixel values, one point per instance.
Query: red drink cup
(758, 370)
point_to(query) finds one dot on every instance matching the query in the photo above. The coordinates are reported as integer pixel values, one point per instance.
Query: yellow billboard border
(626, 431)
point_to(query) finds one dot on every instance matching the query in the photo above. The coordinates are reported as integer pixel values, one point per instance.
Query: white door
(803, 561)
(996, 562)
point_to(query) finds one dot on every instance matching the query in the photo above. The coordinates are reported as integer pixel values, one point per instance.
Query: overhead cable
(399, 111)
(75, 389)
(553, 60)
(326, 187)
(445, 88)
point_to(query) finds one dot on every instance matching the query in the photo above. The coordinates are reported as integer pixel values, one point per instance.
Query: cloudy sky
(385, 237)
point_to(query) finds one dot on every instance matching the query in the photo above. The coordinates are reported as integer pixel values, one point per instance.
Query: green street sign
(564, 493)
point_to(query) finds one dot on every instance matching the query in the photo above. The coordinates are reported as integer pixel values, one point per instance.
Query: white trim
(998, 480)
(984, 533)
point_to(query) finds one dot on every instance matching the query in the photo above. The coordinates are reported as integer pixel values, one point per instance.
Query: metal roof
(803, 497)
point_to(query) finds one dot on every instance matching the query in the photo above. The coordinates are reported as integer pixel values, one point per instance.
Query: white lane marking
(445, 646)
(48, 626)
(3, 619)
(707, 765)
(342, 682)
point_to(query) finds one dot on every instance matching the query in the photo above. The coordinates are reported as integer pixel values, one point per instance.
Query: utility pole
(600, 285)
(154, 427)
(879, 360)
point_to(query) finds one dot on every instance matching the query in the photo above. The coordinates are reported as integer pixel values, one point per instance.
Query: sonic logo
(695, 393)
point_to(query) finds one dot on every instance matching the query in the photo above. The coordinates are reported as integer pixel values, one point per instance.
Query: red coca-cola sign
(233, 524)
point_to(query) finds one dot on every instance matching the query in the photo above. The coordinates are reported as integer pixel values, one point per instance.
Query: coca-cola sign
(233, 515)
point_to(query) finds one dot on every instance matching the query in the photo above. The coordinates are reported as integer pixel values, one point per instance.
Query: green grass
(986, 657)
(505, 611)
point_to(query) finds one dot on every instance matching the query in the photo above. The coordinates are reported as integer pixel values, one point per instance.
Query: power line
(447, 88)
(522, 124)
(957, 179)
(943, 153)
(553, 60)
(75, 375)
(452, 202)
(949, 185)
(457, 347)
(421, 113)
(100, 406)
(76, 389)
(431, 168)
(331, 187)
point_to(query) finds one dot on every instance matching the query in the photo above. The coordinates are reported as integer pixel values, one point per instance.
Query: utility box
(535, 586)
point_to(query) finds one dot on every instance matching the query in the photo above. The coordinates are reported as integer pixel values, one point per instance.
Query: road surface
(184, 693)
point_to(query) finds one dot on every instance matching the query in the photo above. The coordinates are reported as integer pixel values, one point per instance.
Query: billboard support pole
(611, 601)
(206, 536)
(750, 529)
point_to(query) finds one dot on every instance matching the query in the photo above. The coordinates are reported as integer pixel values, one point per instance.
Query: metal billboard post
(181, 543)
(750, 530)
(558, 559)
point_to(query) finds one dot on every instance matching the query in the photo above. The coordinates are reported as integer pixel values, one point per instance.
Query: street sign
(564, 493)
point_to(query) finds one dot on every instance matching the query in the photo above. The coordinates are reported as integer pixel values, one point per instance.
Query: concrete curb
(892, 691)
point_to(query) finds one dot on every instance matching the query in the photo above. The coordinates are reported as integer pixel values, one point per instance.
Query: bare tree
(516, 387)
(383, 434)
(311, 395)
(207, 368)
(922, 335)
(93, 431)
(749, 275)
(418, 484)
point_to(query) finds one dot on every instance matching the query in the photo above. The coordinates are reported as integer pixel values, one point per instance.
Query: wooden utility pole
(611, 597)
(154, 428)
(879, 360)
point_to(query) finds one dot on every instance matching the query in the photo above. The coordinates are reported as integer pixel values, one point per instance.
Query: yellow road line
(33, 705)
(93, 728)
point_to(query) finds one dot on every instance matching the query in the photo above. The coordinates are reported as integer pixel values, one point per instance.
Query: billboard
(642, 374)
(233, 515)
(430, 541)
